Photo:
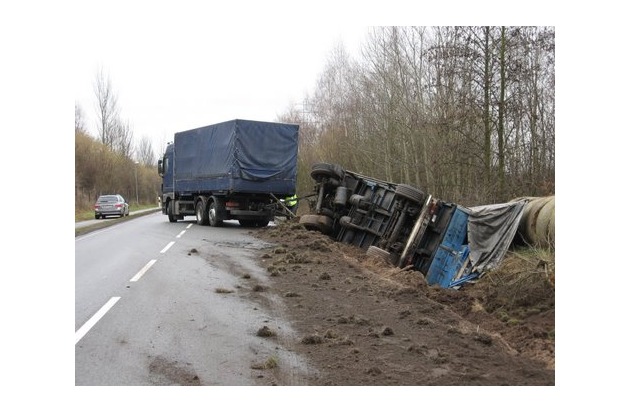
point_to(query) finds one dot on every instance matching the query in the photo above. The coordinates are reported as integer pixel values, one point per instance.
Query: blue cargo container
(460, 244)
(451, 256)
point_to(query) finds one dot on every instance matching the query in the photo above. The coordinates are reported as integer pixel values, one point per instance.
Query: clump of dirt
(269, 363)
(265, 332)
(364, 322)
(312, 340)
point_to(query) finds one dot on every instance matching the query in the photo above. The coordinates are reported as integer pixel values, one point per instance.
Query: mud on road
(361, 322)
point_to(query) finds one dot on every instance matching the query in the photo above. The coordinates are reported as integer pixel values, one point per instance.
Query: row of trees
(113, 161)
(464, 113)
(100, 170)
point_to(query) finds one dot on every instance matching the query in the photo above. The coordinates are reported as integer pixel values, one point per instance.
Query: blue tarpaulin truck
(235, 170)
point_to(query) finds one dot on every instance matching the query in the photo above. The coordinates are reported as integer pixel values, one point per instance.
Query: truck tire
(262, 222)
(169, 212)
(201, 212)
(410, 193)
(378, 253)
(320, 170)
(325, 224)
(310, 222)
(213, 214)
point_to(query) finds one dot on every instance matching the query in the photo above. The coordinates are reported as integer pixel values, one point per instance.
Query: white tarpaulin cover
(491, 229)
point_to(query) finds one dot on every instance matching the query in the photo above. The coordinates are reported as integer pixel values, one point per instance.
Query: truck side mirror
(160, 167)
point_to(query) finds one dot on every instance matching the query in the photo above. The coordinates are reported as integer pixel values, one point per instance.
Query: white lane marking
(167, 247)
(184, 231)
(97, 316)
(143, 271)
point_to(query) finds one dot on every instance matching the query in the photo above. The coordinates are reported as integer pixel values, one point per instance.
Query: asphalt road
(160, 303)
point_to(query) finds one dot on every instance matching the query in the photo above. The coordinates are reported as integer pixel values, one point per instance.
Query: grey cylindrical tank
(538, 223)
(341, 196)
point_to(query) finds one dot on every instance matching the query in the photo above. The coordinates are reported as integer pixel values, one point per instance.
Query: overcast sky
(174, 69)
(179, 67)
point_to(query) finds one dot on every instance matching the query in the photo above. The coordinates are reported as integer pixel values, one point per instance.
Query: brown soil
(363, 322)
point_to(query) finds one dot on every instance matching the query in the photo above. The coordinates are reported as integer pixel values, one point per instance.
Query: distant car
(110, 205)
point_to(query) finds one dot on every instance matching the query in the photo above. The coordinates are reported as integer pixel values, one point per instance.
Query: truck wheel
(327, 212)
(320, 170)
(379, 253)
(201, 213)
(263, 222)
(325, 224)
(169, 212)
(213, 215)
(410, 193)
(310, 222)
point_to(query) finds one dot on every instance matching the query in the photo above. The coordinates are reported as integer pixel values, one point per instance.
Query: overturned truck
(448, 243)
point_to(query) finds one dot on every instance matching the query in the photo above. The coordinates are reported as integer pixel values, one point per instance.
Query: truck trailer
(234, 170)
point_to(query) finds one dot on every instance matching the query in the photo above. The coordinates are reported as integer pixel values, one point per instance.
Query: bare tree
(122, 137)
(145, 153)
(107, 108)
(466, 113)
(501, 121)
(333, 106)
